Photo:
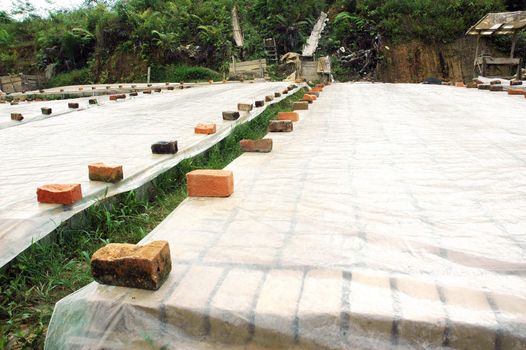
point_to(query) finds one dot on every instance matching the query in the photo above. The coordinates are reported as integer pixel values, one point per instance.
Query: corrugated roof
(500, 23)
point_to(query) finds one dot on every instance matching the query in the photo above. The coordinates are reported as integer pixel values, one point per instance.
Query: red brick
(207, 129)
(263, 145)
(516, 92)
(59, 193)
(309, 98)
(105, 173)
(292, 116)
(210, 183)
(17, 116)
(321, 86)
(133, 266)
(113, 98)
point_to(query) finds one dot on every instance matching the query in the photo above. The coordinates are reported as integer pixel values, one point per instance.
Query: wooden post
(513, 43)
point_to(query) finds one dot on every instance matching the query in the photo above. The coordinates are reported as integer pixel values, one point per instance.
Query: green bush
(75, 77)
(183, 73)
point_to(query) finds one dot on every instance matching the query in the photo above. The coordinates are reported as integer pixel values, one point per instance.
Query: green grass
(51, 269)
(178, 73)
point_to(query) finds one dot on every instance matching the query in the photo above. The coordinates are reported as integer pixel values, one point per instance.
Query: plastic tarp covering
(59, 149)
(392, 217)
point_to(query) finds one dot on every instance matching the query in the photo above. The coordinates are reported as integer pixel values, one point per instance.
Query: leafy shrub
(75, 77)
(183, 73)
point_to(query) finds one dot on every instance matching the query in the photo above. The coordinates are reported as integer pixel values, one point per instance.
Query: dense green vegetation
(116, 40)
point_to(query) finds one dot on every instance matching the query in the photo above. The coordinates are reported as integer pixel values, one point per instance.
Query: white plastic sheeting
(58, 150)
(392, 217)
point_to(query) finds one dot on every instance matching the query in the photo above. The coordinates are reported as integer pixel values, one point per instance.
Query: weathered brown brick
(277, 94)
(230, 115)
(260, 103)
(93, 88)
(284, 92)
(210, 183)
(171, 88)
(46, 110)
(516, 82)
(13, 103)
(483, 86)
(496, 88)
(59, 193)
(105, 173)
(471, 85)
(93, 101)
(133, 266)
(269, 98)
(134, 93)
(147, 92)
(158, 90)
(73, 105)
(300, 105)
(244, 107)
(495, 82)
(263, 145)
(17, 116)
(164, 147)
(280, 126)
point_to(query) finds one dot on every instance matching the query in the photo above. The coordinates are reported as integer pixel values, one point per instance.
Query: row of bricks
(207, 183)
(226, 115)
(494, 86)
(75, 105)
(200, 183)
